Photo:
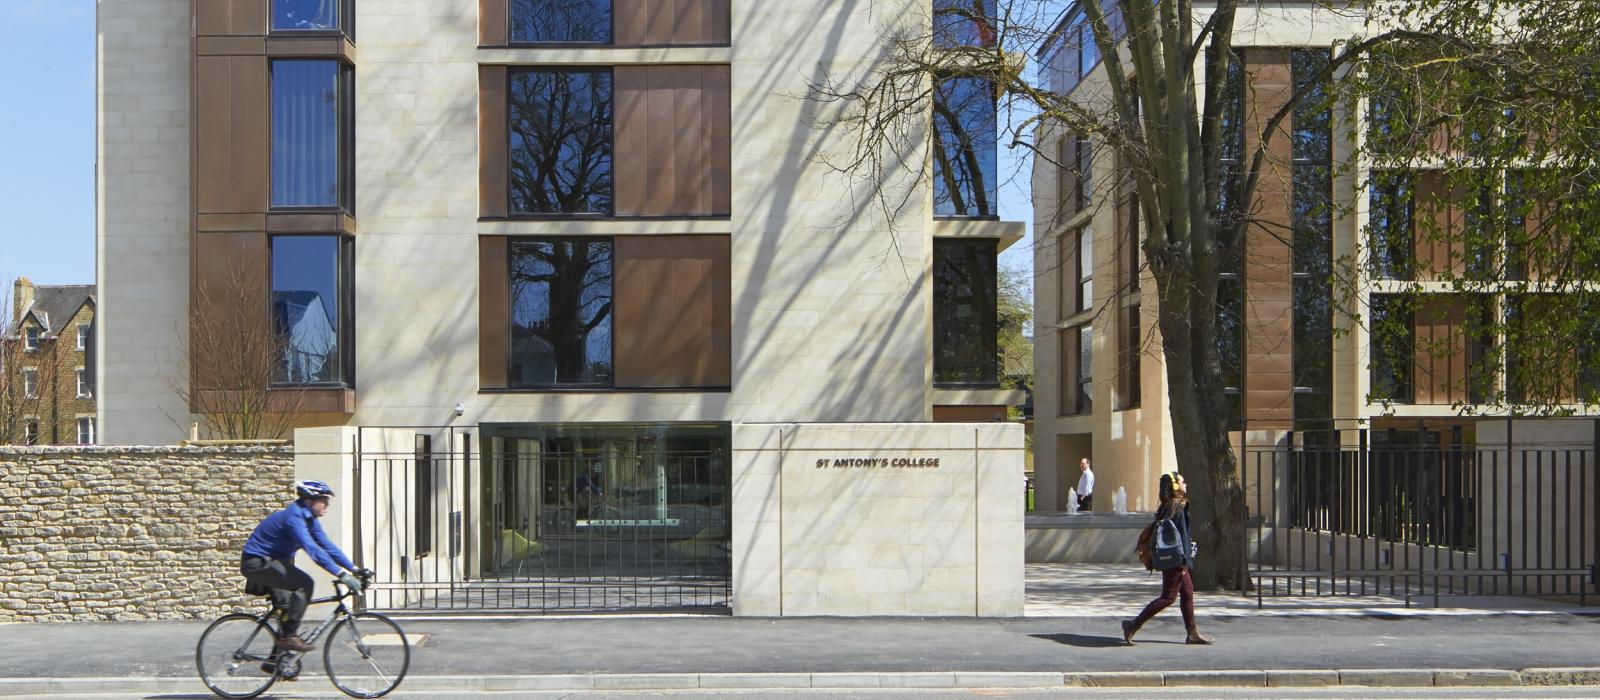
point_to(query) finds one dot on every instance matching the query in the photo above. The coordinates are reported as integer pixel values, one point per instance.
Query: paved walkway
(1095, 590)
(870, 645)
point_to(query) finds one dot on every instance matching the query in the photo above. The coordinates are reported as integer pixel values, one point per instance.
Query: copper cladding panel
(232, 108)
(493, 144)
(494, 23)
(670, 22)
(968, 414)
(494, 312)
(673, 140)
(229, 290)
(672, 306)
(230, 17)
(1269, 260)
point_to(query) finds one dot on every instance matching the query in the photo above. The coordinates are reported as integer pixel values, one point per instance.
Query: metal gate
(1422, 513)
(552, 525)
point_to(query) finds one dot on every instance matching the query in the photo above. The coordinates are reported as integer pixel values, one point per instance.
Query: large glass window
(1392, 348)
(311, 307)
(561, 313)
(965, 148)
(1085, 375)
(312, 128)
(958, 23)
(1389, 226)
(560, 127)
(561, 21)
(1313, 244)
(308, 15)
(965, 348)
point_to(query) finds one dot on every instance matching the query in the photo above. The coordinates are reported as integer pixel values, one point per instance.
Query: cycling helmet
(313, 489)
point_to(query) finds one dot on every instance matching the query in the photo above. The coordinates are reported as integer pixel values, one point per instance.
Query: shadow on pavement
(1085, 640)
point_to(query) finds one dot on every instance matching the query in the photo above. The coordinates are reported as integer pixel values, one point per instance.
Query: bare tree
(30, 379)
(239, 357)
(1167, 103)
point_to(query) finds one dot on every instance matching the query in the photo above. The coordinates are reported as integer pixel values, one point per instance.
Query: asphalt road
(752, 645)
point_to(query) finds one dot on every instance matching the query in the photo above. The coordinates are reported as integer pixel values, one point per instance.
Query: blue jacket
(290, 530)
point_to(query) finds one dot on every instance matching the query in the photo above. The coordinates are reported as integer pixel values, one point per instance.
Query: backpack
(1166, 546)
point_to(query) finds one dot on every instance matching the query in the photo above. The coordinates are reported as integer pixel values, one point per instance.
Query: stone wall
(140, 533)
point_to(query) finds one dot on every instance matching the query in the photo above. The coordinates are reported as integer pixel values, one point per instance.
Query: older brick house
(47, 391)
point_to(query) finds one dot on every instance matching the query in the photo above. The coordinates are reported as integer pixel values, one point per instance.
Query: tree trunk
(1187, 319)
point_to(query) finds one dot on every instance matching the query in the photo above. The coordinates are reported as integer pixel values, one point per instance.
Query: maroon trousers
(1175, 583)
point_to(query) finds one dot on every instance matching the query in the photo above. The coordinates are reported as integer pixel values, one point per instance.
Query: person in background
(1085, 487)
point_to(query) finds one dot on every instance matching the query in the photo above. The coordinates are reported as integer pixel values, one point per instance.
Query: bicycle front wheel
(366, 655)
(234, 656)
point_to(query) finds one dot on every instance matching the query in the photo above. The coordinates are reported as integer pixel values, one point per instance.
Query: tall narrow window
(1085, 269)
(312, 124)
(83, 383)
(310, 309)
(1312, 221)
(30, 340)
(1392, 348)
(560, 131)
(965, 306)
(960, 23)
(561, 313)
(85, 431)
(30, 433)
(30, 383)
(561, 21)
(83, 337)
(309, 15)
(1131, 384)
(1389, 226)
(965, 148)
(1085, 373)
(422, 489)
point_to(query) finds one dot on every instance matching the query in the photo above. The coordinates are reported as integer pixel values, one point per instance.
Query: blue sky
(47, 156)
(47, 152)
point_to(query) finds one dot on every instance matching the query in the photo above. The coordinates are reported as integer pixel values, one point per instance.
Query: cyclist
(269, 558)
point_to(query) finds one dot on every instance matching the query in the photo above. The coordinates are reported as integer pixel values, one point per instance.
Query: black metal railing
(1425, 513)
(547, 531)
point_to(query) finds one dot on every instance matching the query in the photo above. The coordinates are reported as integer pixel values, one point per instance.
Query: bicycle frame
(339, 613)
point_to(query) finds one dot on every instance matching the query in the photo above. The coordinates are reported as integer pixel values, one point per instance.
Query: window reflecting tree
(965, 147)
(560, 313)
(965, 307)
(561, 21)
(560, 124)
(959, 23)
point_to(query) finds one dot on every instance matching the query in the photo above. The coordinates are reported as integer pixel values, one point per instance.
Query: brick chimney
(21, 298)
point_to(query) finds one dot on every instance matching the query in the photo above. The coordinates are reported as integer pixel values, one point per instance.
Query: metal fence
(1422, 514)
(450, 528)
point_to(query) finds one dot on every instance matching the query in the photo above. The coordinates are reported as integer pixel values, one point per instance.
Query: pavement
(1312, 641)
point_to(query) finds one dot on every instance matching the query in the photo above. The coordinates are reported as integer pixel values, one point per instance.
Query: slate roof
(55, 305)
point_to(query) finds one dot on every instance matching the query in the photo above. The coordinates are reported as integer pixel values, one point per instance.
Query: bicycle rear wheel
(366, 655)
(234, 656)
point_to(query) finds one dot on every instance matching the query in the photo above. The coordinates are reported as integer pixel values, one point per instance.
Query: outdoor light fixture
(461, 408)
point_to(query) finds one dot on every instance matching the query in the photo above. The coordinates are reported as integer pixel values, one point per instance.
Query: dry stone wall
(131, 533)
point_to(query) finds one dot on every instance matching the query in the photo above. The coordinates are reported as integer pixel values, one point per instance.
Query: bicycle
(365, 656)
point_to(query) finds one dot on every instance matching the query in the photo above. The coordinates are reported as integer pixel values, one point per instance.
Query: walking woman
(1174, 558)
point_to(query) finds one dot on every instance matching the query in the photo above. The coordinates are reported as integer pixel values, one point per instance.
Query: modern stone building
(596, 253)
(1296, 365)
(47, 396)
